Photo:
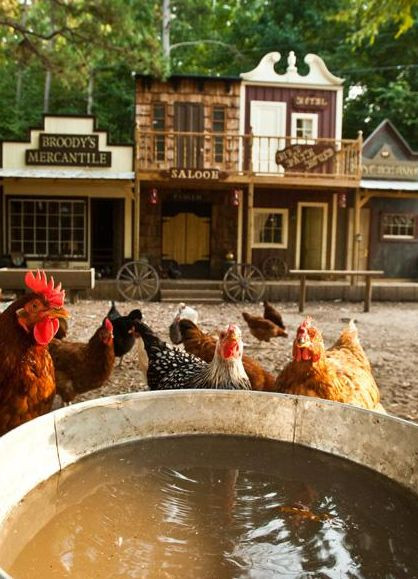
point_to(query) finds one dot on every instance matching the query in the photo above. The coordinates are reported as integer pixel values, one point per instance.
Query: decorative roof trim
(318, 72)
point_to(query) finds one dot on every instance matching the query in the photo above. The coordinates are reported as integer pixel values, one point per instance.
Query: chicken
(263, 329)
(183, 313)
(270, 313)
(123, 330)
(27, 377)
(80, 367)
(203, 346)
(342, 373)
(170, 368)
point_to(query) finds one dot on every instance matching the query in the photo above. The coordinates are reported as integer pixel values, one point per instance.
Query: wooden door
(188, 118)
(267, 120)
(186, 238)
(311, 245)
(363, 254)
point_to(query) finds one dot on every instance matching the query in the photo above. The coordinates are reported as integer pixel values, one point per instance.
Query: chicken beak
(58, 313)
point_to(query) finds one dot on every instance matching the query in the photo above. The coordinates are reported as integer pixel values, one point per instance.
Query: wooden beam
(250, 223)
(240, 226)
(137, 202)
(334, 219)
(356, 232)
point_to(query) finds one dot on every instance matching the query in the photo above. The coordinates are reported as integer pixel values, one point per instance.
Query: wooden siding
(326, 116)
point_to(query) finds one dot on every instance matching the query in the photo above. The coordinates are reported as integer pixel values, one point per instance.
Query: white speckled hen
(171, 368)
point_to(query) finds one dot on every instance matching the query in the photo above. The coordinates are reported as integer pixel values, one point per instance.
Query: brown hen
(27, 377)
(263, 329)
(203, 346)
(270, 313)
(81, 367)
(342, 373)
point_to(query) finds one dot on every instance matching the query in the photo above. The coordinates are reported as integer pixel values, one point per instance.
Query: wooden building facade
(66, 197)
(252, 167)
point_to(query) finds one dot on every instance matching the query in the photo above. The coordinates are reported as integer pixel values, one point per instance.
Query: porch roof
(66, 174)
(389, 185)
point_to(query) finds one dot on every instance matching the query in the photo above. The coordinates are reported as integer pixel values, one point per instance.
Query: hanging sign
(302, 158)
(72, 150)
(199, 174)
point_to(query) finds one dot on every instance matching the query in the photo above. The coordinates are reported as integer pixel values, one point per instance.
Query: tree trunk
(90, 89)
(166, 28)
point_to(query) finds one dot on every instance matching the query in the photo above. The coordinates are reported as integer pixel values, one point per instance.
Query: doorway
(107, 219)
(267, 119)
(311, 240)
(189, 118)
(186, 237)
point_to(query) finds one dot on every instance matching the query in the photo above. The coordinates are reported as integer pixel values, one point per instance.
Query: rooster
(27, 377)
(170, 368)
(263, 329)
(123, 330)
(81, 367)
(270, 313)
(342, 373)
(203, 346)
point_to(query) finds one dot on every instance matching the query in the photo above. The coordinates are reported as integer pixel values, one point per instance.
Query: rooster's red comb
(307, 323)
(108, 325)
(40, 285)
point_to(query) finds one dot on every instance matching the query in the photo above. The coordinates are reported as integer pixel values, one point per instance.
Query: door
(188, 118)
(186, 239)
(363, 253)
(106, 235)
(312, 235)
(268, 121)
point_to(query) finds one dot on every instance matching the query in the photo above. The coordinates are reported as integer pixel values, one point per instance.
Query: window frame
(293, 129)
(285, 236)
(398, 238)
(218, 139)
(159, 139)
(60, 200)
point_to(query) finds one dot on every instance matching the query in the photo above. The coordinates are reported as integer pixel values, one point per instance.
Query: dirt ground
(389, 335)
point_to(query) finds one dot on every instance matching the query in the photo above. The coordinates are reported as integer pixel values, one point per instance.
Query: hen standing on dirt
(170, 368)
(123, 330)
(263, 329)
(27, 377)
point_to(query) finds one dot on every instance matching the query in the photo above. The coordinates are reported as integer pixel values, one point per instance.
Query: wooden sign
(198, 174)
(72, 150)
(302, 158)
(391, 170)
(313, 102)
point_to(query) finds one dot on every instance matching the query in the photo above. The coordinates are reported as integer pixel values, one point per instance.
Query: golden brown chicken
(342, 373)
(263, 329)
(27, 377)
(203, 346)
(270, 313)
(81, 367)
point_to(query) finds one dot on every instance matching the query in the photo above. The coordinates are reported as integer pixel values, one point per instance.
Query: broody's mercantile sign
(72, 150)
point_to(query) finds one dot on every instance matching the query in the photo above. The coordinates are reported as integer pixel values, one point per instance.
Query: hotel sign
(315, 102)
(70, 150)
(302, 158)
(198, 174)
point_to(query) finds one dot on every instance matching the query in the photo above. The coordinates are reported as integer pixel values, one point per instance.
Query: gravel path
(389, 335)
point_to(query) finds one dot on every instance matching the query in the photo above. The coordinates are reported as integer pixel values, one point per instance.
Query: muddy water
(214, 507)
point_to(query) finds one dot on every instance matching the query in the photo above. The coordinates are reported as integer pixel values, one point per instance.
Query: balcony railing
(249, 154)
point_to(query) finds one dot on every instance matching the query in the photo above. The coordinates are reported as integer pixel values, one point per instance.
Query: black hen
(123, 330)
(170, 368)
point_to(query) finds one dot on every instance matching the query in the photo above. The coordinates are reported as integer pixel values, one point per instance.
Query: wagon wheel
(137, 280)
(244, 282)
(274, 267)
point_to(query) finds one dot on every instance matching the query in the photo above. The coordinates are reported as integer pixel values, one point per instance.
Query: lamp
(153, 198)
(235, 197)
(342, 200)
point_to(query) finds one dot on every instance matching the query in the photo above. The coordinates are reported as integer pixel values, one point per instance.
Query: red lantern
(153, 197)
(235, 197)
(342, 200)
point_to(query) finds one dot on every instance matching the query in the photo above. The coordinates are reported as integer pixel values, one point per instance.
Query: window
(218, 126)
(398, 226)
(304, 128)
(270, 227)
(158, 124)
(41, 228)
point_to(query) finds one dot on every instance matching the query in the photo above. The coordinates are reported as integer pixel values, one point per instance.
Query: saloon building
(66, 197)
(250, 167)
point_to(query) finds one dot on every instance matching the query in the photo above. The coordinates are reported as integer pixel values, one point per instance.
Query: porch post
(240, 226)
(137, 199)
(356, 232)
(250, 223)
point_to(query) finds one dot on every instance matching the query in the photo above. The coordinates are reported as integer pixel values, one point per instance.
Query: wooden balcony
(232, 157)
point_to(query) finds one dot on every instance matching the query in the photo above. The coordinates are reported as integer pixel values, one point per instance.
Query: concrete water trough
(38, 449)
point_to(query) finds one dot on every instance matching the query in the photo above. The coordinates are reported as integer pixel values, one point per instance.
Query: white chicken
(183, 312)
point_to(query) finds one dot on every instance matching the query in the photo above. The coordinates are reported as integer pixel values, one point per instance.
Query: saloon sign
(302, 158)
(199, 174)
(73, 150)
